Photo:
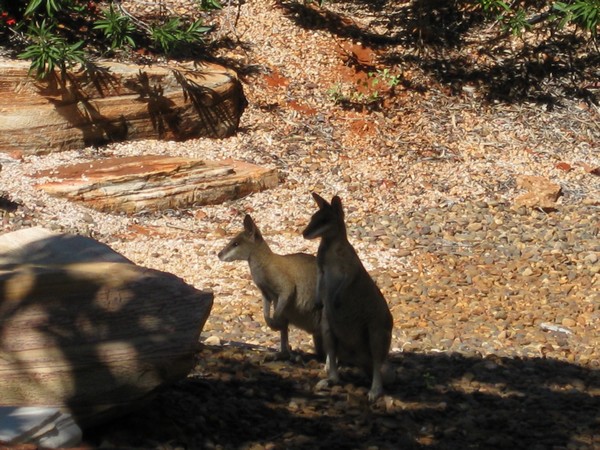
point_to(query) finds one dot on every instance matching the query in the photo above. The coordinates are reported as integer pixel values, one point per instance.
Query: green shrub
(517, 18)
(171, 34)
(207, 5)
(58, 34)
(584, 13)
(49, 51)
(117, 28)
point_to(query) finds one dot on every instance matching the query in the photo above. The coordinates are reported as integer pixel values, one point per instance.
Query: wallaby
(356, 321)
(287, 282)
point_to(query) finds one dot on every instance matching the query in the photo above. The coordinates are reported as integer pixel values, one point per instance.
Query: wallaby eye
(235, 244)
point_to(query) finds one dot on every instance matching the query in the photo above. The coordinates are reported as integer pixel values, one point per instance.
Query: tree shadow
(434, 34)
(84, 329)
(439, 401)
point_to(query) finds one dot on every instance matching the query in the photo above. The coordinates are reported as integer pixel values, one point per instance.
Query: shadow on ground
(451, 42)
(238, 399)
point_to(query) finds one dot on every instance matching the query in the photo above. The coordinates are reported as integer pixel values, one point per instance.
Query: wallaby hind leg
(388, 373)
(285, 351)
(377, 384)
(379, 346)
(330, 345)
(332, 372)
(281, 325)
(319, 346)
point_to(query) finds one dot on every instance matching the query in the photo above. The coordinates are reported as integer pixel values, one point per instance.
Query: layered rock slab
(541, 192)
(85, 330)
(113, 102)
(154, 183)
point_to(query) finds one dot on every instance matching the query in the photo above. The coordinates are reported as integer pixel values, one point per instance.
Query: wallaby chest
(269, 278)
(338, 267)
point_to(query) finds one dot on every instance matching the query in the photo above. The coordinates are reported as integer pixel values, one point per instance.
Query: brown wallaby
(356, 322)
(287, 282)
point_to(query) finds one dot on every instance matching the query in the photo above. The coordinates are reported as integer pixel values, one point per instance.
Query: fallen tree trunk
(115, 102)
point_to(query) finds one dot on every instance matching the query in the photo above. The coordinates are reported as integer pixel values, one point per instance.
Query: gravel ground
(496, 308)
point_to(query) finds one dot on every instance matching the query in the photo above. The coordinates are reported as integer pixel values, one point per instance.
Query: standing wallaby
(287, 282)
(356, 322)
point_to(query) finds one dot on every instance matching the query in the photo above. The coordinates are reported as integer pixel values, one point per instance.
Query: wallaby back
(287, 283)
(357, 323)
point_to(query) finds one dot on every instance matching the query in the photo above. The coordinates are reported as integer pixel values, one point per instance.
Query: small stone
(474, 227)
(563, 166)
(542, 193)
(527, 272)
(212, 340)
(219, 231)
(426, 230)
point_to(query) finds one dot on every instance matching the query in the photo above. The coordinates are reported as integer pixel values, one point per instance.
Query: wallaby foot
(279, 356)
(332, 370)
(332, 374)
(283, 355)
(375, 393)
(325, 383)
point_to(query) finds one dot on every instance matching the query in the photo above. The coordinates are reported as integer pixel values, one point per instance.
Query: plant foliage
(517, 18)
(117, 28)
(171, 34)
(49, 51)
(56, 35)
(584, 13)
(210, 4)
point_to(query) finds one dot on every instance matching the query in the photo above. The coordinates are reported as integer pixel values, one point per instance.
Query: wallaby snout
(234, 250)
(223, 255)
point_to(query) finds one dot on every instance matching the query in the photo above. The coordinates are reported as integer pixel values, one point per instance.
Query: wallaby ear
(336, 204)
(251, 228)
(320, 201)
(249, 225)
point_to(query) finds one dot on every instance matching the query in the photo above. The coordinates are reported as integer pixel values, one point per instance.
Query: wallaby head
(243, 244)
(328, 220)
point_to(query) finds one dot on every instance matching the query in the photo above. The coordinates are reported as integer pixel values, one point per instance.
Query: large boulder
(85, 330)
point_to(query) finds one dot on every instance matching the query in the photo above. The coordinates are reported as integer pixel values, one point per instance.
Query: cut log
(154, 183)
(116, 102)
(92, 334)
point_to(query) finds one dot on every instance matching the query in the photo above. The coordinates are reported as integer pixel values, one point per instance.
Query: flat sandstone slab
(116, 102)
(154, 183)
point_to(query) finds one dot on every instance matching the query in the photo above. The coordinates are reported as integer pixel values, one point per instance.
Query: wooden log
(116, 102)
(94, 334)
(154, 183)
